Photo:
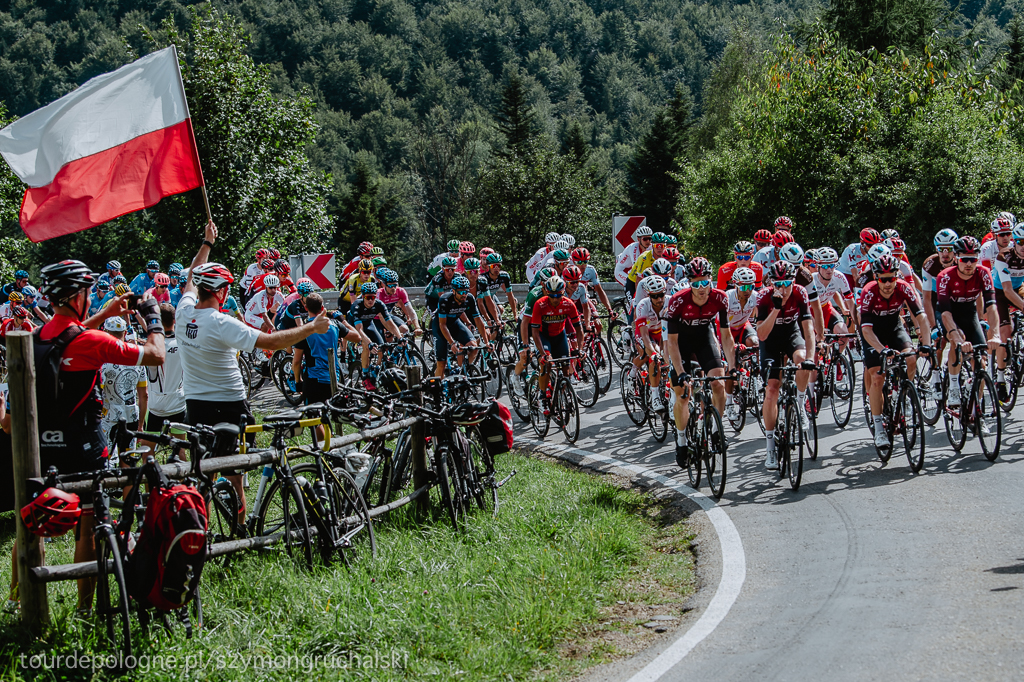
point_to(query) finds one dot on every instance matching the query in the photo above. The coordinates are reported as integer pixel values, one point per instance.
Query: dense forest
(324, 123)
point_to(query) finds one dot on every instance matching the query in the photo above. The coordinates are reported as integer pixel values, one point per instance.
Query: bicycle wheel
(480, 470)
(953, 418)
(283, 512)
(445, 490)
(657, 422)
(756, 404)
(930, 400)
(351, 514)
(516, 393)
(715, 450)
(112, 593)
(1009, 385)
(584, 382)
(285, 382)
(811, 433)
(620, 342)
(490, 367)
(601, 355)
(632, 399)
(541, 422)
(694, 427)
(740, 400)
(987, 415)
(568, 408)
(477, 390)
(910, 425)
(246, 372)
(508, 351)
(222, 512)
(841, 379)
(795, 447)
(410, 357)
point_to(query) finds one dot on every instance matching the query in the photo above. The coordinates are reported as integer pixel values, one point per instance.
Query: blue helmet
(20, 274)
(368, 288)
(305, 288)
(119, 279)
(174, 268)
(387, 275)
(460, 283)
(153, 265)
(114, 265)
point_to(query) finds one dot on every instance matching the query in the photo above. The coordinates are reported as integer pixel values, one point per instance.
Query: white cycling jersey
(625, 261)
(989, 253)
(533, 265)
(851, 258)
(836, 285)
(641, 291)
(647, 316)
(739, 314)
(260, 304)
(765, 256)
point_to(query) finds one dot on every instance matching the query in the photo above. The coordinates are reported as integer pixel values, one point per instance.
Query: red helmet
(763, 236)
(698, 268)
(467, 248)
(19, 311)
(485, 252)
(671, 254)
(869, 236)
(275, 254)
(781, 238)
(1001, 225)
(162, 280)
(571, 273)
(364, 249)
(281, 267)
(53, 512)
(783, 223)
(896, 244)
(211, 276)
(261, 254)
(580, 255)
(267, 264)
(967, 246)
(885, 265)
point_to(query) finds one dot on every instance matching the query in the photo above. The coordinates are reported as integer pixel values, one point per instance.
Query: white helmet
(655, 285)
(115, 324)
(662, 267)
(827, 255)
(1009, 216)
(877, 251)
(271, 281)
(211, 276)
(1018, 232)
(744, 276)
(551, 237)
(562, 244)
(792, 253)
(643, 231)
(569, 239)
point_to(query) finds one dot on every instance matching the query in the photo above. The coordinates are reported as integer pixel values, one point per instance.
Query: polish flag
(120, 143)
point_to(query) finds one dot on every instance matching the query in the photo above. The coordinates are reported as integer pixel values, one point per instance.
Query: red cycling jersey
(726, 272)
(11, 324)
(90, 349)
(953, 290)
(550, 316)
(876, 309)
(681, 312)
(796, 309)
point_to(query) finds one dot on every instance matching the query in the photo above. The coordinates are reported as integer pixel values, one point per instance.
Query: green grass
(529, 595)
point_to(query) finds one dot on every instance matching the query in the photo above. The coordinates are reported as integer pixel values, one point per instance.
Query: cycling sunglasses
(555, 296)
(945, 249)
(745, 287)
(783, 283)
(369, 297)
(827, 266)
(743, 256)
(646, 239)
(461, 292)
(448, 269)
(390, 286)
(887, 279)
(700, 283)
(968, 259)
(657, 295)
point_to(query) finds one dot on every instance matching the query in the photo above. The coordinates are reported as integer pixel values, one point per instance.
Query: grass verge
(561, 580)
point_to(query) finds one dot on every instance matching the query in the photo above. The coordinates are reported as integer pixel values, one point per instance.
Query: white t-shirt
(166, 393)
(208, 340)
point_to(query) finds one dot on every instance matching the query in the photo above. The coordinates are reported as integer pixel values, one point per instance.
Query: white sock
(954, 383)
(800, 397)
(681, 438)
(769, 437)
(878, 422)
(1001, 375)
(728, 398)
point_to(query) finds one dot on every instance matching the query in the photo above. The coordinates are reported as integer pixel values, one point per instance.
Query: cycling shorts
(741, 334)
(459, 331)
(780, 344)
(639, 341)
(833, 319)
(1003, 306)
(896, 338)
(372, 332)
(557, 345)
(966, 320)
(699, 343)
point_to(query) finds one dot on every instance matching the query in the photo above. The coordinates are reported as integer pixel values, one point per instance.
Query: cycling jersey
(645, 261)
(795, 310)
(532, 297)
(957, 294)
(450, 309)
(486, 286)
(435, 265)
(726, 272)
(290, 313)
(765, 257)
(436, 288)
(360, 314)
(876, 310)
(252, 272)
(175, 296)
(1009, 267)
(533, 265)
(12, 324)
(96, 301)
(141, 282)
(804, 278)
(853, 255)
(166, 392)
(682, 312)
(164, 297)
(352, 289)
(399, 297)
(930, 273)
(550, 315)
(739, 314)
(260, 304)
(625, 261)
(990, 253)
(646, 316)
(826, 290)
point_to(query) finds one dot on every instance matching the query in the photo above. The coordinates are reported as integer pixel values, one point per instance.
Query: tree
(881, 24)
(13, 243)
(517, 120)
(575, 145)
(650, 189)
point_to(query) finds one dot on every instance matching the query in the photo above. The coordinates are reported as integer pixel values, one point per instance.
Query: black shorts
(780, 344)
(315, 391)
(966, 320)
(896, 338)
(211, 412)
(156, 422)
(699, 343)
(834, 318)
(1003, 306)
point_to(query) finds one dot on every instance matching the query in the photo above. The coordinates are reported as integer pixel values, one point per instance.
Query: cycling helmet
(64, 279)
(16, 297)
(378, 261)
(781, 238)
(275, 254)
(783, 223)
(662, 267)
(561, 255)
(211, 276)
(888, 233)
(392, 380)
(655, 285)
(744, 247)
(546, 274)
(659, 237)
(122, 289)
(763, 236)
(552, 237)
(19, 311)
(467, 248)
(446, 262)
(642, 231)
(791, 252)
(562, 245)
(102, 285)
(1018, 233)
(554, 286)
(646, 273)
(153, 265)
(895, 244)
(281, 267)
(493, 258)
(967, 245)
(698, 268)
(1009, 216)
(115, 324)
(271, 281)
(870, 236)
(388, 276)
(377, 251)
(671, 254)
(53, 512)
(366, 265)
(569, 239)
(364, 249)
(811, 257)
(174, 269)
(744, 276)
(877, 251)
(1000, 225)
(162, 280)
(827, 255)
(671, 239)
(119, 279)
(471, 264)
(885, 265)
(572, 274)
(20, 274)
(368, 288)
(460, 283)
(267, 264)
(945, 237)
(261, 254)
(114, 265)
(305, 288)
(781, 269)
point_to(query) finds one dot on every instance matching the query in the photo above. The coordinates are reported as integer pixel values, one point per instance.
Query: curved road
(869, 572)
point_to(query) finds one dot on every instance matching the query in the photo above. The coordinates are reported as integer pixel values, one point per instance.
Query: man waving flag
(119, 143)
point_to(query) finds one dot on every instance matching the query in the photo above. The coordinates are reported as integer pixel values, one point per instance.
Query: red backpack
(496, 428)
(167, 562)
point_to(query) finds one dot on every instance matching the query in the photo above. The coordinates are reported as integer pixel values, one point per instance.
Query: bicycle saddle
(289, 416)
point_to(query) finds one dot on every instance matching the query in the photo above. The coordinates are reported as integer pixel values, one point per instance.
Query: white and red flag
(119, 143)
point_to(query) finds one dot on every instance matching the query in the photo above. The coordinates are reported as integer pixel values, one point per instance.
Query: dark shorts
(967, 321)
(779, 345)
(315, 391)
(743, 334)
(210, 412)
(897, 339)
(372, 333)
(557, 345)
(459, 331)
(1003, 306)
(699, 343)
(156, 423)
(834, 318)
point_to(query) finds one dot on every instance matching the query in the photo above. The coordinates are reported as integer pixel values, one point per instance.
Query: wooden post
(332, 355)
(418, 434)
(35, 608)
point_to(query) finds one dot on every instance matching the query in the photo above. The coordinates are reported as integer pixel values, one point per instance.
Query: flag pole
(188, 115)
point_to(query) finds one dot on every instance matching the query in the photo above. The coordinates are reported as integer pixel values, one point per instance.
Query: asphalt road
(869, 572)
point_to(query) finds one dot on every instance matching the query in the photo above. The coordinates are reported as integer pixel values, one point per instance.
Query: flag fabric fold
(119, 143)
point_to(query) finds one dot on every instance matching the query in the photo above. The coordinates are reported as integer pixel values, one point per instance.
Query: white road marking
(734, 562)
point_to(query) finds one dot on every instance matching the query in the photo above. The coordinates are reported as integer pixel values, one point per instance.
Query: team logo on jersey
(192, 330)
(52, 437)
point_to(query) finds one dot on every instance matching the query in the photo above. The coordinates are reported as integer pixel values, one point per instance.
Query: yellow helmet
(16, 297)
(122, 289)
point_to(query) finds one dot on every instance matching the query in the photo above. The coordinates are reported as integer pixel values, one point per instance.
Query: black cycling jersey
(360, 314)
(485, 285)
(448, 307)
(437, 286)
(289, 316)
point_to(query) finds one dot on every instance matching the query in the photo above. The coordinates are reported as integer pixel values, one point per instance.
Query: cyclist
(642, 240)
(741, 304)
(581, 259)
(547, 327)
(525, 314)
(362, 251)
(13, 299)
(113, 270)
(472, 273)
(944, 257)
(145, 280)
(370, 317)
(174, 291)
(255, 269)
(577, 293)
(441, 283)
(448, 328)
(496, 281)
(34, 303)
(397, 301)
(959, 288)
(125, 394)
(557, 260)
(293, 312)
(673, 256)
(1008, 276)
(833, 292)
(647, 335)
(1002, 228)
(20, 282)
(262, 307)
(785, 329)
(18, 321)
(663, 269)
(466, 251)
(857, 253)
(770, 254)
(689, 314)
(256, 283)
(453, 252)
(743, 254)
(533, 266)
(161, 285)
(350, 290)
(762, 238)
(283, 271)
(882, 331)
